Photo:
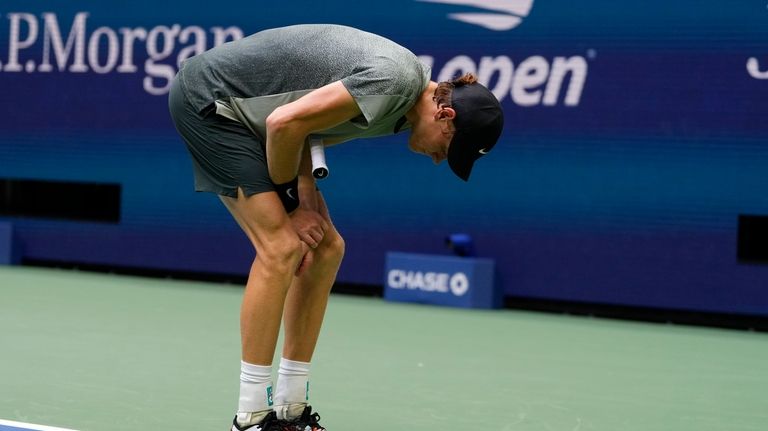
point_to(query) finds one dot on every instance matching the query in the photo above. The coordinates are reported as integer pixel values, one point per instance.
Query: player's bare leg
(279, 249)
(304, 311)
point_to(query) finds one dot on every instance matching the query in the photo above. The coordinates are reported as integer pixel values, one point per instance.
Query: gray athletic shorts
(225, 154)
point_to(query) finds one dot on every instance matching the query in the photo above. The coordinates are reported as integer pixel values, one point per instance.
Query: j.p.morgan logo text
(49, 44)
(39, 45)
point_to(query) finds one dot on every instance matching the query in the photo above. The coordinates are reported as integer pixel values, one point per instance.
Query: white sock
(292, 393)
(255, 393)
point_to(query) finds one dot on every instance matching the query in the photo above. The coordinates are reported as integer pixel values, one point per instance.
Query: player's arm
(307, 186)
(289, 125)
(308, 220)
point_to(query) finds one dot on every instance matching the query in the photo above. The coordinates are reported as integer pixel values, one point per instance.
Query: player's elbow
(282, 122)
(277, 121)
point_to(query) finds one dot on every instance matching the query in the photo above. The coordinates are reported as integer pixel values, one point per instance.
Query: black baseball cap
(479, 121)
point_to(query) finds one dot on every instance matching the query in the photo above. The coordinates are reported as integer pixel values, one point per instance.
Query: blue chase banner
(635, 141)
(465, 282)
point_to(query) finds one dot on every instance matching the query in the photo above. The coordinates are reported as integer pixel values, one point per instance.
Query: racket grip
(317, 152)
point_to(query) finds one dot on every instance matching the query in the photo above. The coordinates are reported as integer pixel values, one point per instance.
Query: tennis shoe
(269, 423)
(308, 421)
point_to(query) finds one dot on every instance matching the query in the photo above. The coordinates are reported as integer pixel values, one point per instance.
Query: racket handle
(317, 152)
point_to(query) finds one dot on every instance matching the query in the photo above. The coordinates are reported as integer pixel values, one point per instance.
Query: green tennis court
(97, 352)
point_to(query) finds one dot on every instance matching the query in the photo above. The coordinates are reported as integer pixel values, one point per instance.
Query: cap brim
(461, 155)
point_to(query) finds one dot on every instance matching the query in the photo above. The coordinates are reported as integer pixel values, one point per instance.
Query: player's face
(432, 138)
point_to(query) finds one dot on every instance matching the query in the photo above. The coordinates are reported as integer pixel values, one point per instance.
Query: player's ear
(445, 113)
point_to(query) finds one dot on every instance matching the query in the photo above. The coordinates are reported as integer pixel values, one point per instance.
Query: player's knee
(282, 254)
(333, 246)
(337, 245)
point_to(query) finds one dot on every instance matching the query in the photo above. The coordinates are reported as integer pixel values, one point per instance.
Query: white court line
(31, 426)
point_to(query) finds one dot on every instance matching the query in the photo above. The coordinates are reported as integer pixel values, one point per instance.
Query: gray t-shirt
(247, 79)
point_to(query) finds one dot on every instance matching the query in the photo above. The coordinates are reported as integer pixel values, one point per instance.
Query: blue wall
(636, 135)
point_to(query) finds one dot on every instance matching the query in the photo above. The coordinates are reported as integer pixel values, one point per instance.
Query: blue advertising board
(635, 138)
(466, 282)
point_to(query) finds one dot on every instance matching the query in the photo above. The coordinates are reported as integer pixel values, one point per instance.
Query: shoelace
(311, 423)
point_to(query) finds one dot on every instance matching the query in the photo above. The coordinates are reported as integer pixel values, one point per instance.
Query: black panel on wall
(60, 200)
(753, 239)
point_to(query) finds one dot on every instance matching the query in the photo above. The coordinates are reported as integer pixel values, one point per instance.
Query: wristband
(289, 194)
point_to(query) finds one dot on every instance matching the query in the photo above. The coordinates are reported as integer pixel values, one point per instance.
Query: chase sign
(441, 280)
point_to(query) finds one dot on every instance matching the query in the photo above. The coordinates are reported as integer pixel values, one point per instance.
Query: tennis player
(245, 110)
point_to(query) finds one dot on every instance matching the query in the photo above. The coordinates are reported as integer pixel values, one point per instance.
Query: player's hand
(309, 225)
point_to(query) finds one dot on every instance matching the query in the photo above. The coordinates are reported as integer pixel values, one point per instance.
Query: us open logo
(533, 81)
(498, 15)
